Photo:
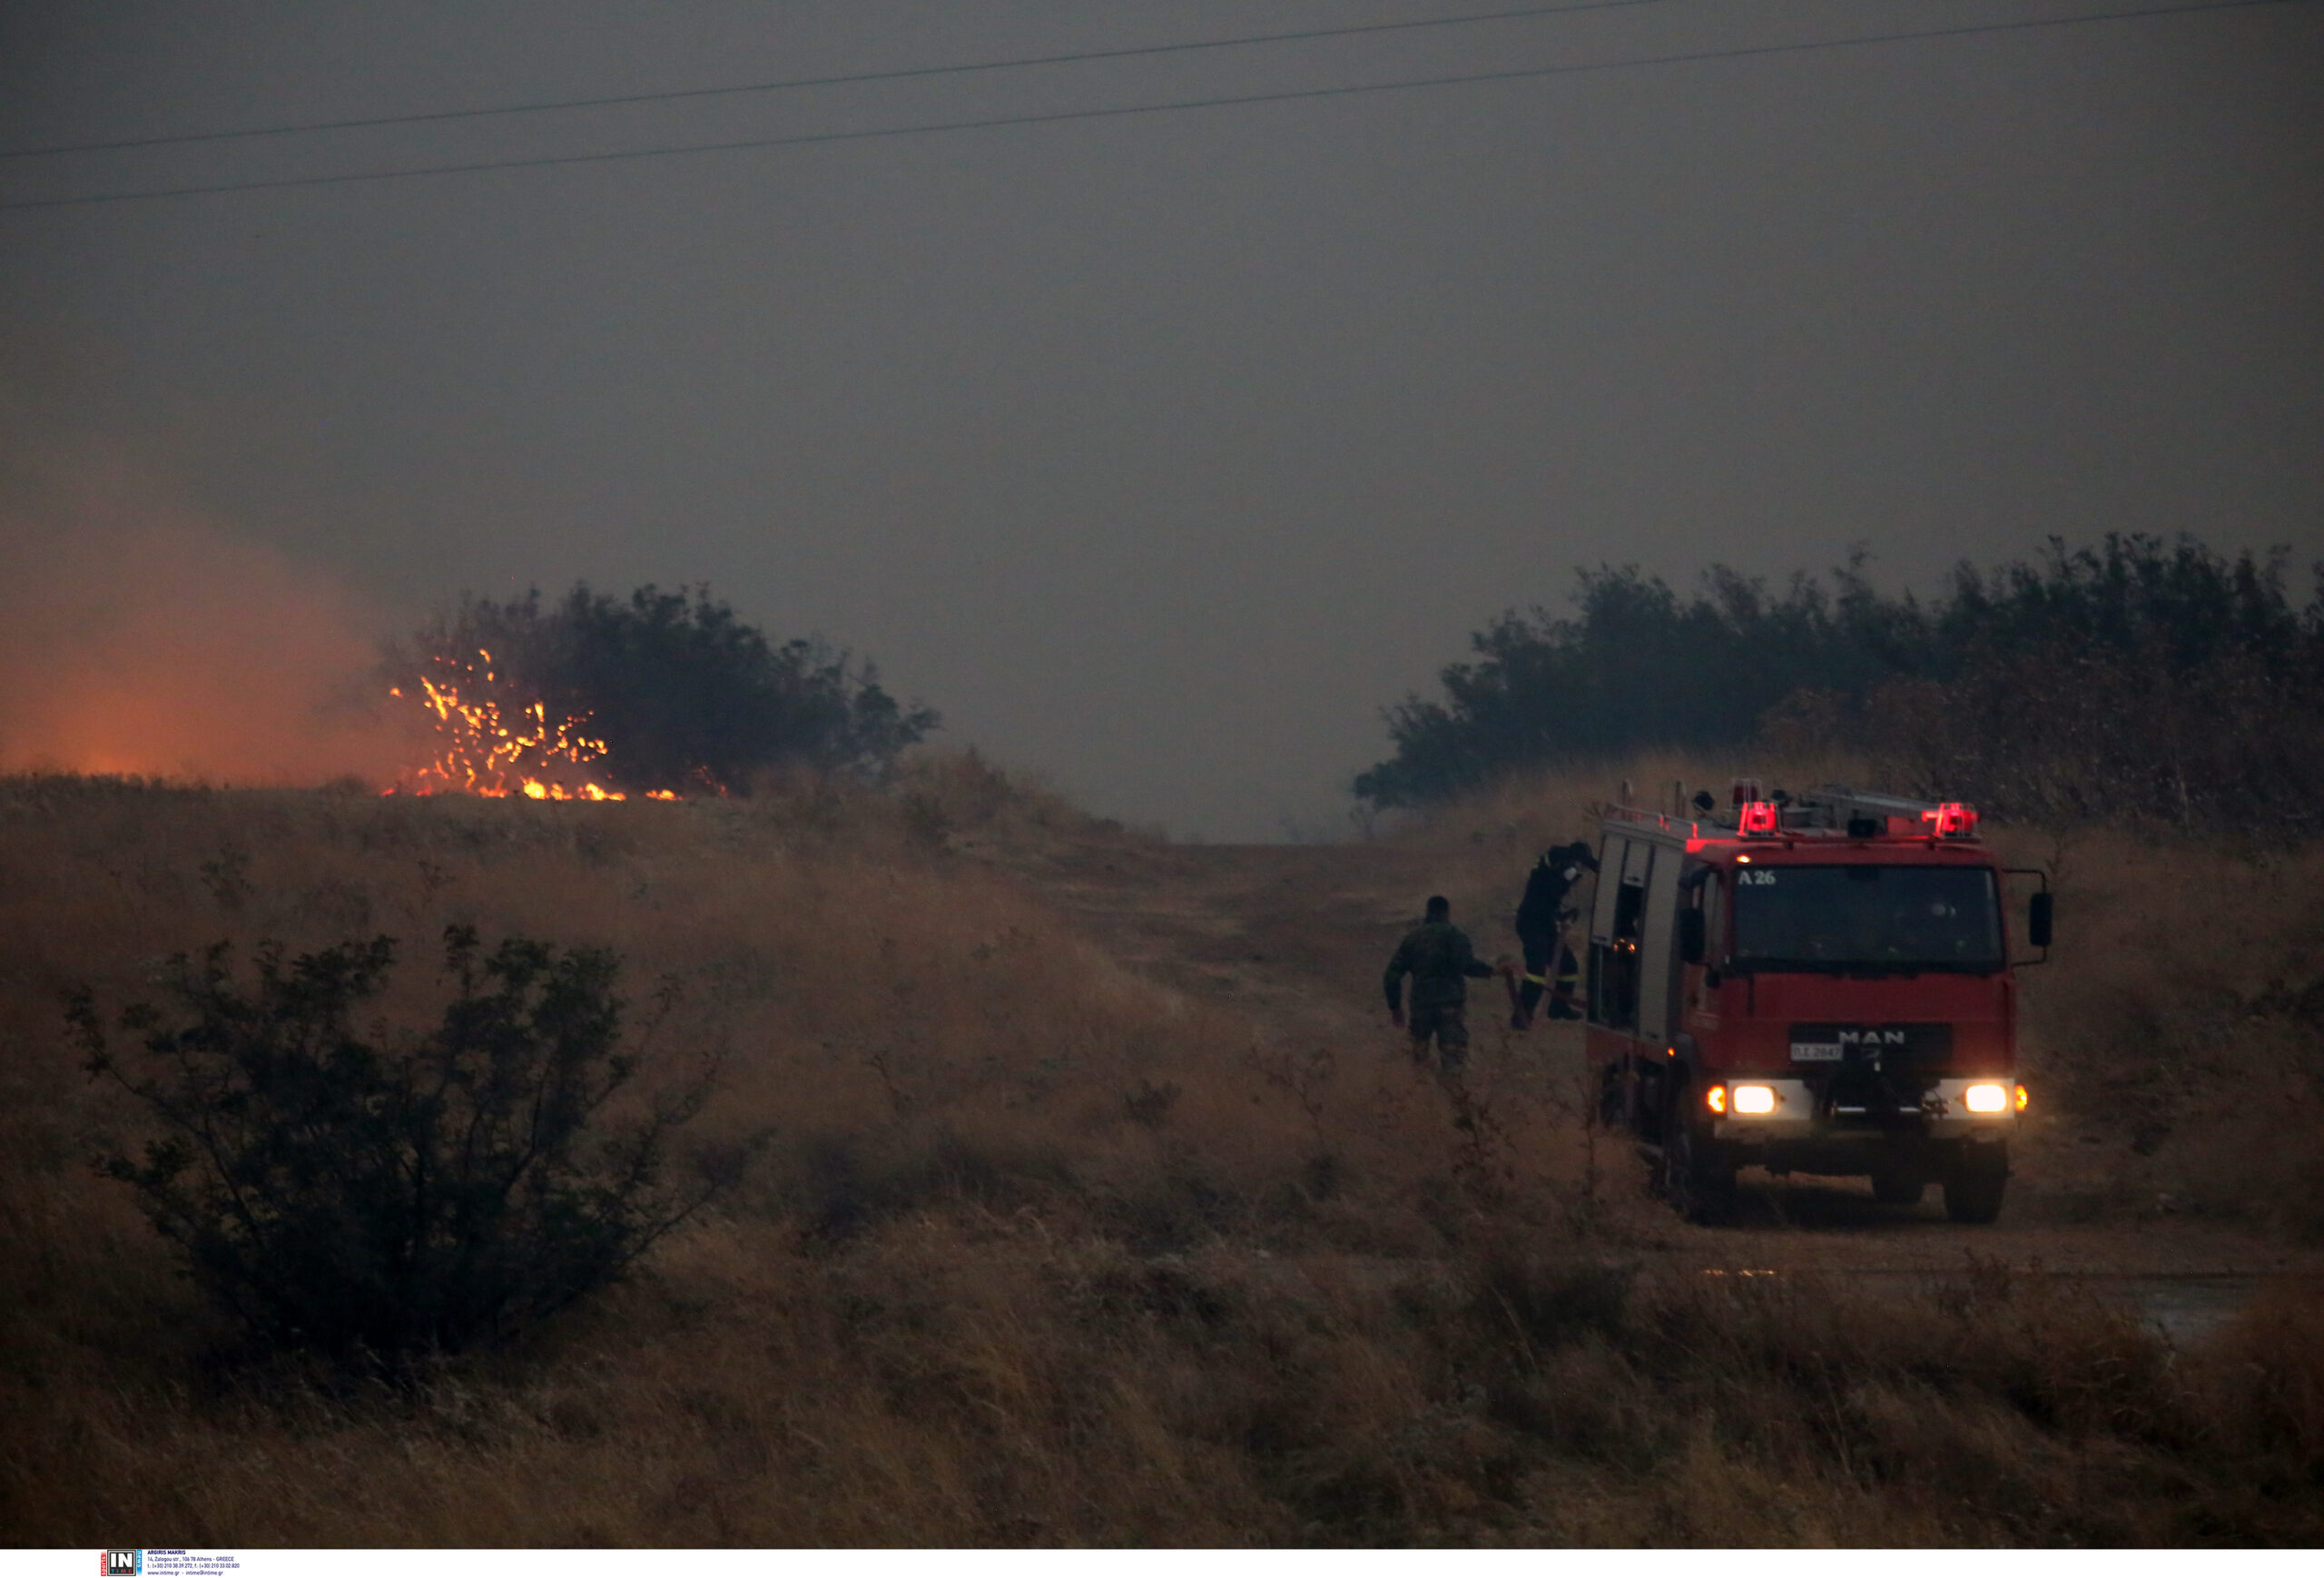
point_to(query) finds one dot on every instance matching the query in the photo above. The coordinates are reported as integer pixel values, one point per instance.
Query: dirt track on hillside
(1295, 936)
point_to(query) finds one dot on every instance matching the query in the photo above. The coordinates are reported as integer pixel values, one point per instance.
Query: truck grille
(1874, 1075)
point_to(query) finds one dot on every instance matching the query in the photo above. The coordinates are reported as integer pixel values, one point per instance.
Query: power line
(847, 80)
(807, 139)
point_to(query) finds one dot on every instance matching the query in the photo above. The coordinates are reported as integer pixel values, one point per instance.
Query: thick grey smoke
(1159, 451)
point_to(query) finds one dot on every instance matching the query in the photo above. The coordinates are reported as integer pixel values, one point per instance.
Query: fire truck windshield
(1866, 918)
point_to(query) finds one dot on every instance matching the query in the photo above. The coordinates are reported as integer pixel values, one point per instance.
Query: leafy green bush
(380, 1195)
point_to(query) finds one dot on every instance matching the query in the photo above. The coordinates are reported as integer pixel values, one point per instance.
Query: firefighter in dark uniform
(1541, 918)
(1438, 957)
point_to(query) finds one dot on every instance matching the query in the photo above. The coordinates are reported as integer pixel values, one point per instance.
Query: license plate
(1815, 1052)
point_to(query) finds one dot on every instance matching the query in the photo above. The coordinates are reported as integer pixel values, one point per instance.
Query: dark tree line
(2159, 680)
(683, 694)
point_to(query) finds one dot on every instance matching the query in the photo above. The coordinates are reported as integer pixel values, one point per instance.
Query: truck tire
(1696, 1179)
(1898, 1188)
(1975, 1180)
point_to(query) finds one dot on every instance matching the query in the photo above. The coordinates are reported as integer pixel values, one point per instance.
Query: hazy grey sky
(1160, 451)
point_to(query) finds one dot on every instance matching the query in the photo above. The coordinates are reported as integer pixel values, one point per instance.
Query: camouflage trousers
(1443, 1022)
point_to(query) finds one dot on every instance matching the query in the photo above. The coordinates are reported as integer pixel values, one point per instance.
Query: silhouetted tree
(2124, 682)
(1640, 667)
(2169, 679)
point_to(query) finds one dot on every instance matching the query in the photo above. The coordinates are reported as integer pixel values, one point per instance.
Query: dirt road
(1295, 935)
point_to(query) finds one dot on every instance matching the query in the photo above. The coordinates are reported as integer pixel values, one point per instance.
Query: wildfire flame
(481, 750)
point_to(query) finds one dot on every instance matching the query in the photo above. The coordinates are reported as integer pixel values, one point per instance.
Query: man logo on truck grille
(1830, 1043)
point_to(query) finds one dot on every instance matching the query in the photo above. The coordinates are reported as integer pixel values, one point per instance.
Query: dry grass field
(1101, 1209)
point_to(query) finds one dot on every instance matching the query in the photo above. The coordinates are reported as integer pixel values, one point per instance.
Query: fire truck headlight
(1715, 1098)
(1986, 1099)
(1753, 1101)
(2021, 1098)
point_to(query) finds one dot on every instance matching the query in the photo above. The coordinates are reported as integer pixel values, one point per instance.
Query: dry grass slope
(1048, 1253)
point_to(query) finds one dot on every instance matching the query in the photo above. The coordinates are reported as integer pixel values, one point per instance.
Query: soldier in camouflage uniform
(1437, 955)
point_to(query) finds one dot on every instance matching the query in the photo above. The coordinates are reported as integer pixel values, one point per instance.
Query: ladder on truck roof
(1839, 800)
(1660, 826)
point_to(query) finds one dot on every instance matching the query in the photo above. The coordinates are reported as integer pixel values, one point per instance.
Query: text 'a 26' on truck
(1821, 985)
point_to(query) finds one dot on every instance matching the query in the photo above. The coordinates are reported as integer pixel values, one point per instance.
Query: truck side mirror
(1690, 936)
(2037, 921)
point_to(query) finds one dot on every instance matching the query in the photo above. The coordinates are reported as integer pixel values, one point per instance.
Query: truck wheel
(1898, 1188)
(1974, 1183)
(1695, 1180)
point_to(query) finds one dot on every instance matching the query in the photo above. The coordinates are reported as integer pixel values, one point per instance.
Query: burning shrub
(673, 692)
(370, 1198)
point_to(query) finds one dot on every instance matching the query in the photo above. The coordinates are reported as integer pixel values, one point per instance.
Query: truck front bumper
(1974, 1110)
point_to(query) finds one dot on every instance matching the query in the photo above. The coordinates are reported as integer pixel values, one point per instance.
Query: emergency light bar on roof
(1832, 812)
(1952, 820)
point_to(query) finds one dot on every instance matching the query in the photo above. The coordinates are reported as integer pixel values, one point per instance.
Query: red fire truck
(1817, 985)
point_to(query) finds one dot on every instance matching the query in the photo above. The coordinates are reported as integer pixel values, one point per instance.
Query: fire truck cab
(1821, 985)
